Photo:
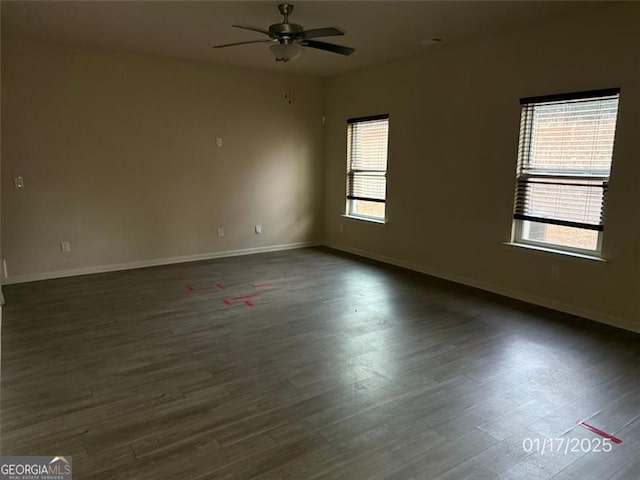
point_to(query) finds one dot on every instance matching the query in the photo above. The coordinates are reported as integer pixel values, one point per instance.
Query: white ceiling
(378, 30)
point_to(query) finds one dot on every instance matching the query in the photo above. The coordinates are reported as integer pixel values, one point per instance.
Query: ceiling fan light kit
(289, 39)
(283, 52)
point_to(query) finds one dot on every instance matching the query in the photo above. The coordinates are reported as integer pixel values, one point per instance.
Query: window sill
(555, 251)
(365, 219)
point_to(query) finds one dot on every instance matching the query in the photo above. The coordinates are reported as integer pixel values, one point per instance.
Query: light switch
(258, 229)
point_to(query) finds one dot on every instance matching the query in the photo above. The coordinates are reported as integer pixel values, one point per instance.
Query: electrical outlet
(65, 247)
(18, 182)
(258, 229)
(220, 232)
(219, 141)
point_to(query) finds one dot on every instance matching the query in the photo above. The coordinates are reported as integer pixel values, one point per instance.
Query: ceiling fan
(288, 39)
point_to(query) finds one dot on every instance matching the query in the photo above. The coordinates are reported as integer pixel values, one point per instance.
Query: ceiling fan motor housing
(285, 30)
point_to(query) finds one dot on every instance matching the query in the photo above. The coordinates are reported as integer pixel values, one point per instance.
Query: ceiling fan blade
(253, 29)
(329, 47)
(322, 32)
(241, 43)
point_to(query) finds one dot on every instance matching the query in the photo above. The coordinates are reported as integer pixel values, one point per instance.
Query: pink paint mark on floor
(602, 433)
(251, 295)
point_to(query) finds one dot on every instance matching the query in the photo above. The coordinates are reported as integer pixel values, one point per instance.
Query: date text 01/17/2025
(567, 445)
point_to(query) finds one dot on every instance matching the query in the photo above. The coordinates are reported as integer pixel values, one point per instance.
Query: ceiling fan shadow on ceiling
(288, 39)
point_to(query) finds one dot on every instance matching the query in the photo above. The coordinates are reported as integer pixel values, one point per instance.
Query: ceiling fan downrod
(285, 10)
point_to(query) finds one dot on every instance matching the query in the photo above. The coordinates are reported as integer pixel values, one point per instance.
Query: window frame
(520, 225)
(518, 239)
(350, 202)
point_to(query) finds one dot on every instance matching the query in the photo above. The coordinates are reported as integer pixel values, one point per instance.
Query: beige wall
(454, 119)
(119, 157)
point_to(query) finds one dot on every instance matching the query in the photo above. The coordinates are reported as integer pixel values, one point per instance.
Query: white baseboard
(596, 316)
(612, 320)
(154, 263)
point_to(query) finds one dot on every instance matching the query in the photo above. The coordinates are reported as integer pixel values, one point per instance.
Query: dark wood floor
(341, 369)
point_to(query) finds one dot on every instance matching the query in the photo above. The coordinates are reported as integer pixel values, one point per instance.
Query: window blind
(564, 158)
(367, 144)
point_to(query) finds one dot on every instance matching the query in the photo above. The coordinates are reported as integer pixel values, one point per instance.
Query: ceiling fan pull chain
(289, 94)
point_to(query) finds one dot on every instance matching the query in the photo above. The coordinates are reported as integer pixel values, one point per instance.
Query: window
(367, 142)
(564, 160)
